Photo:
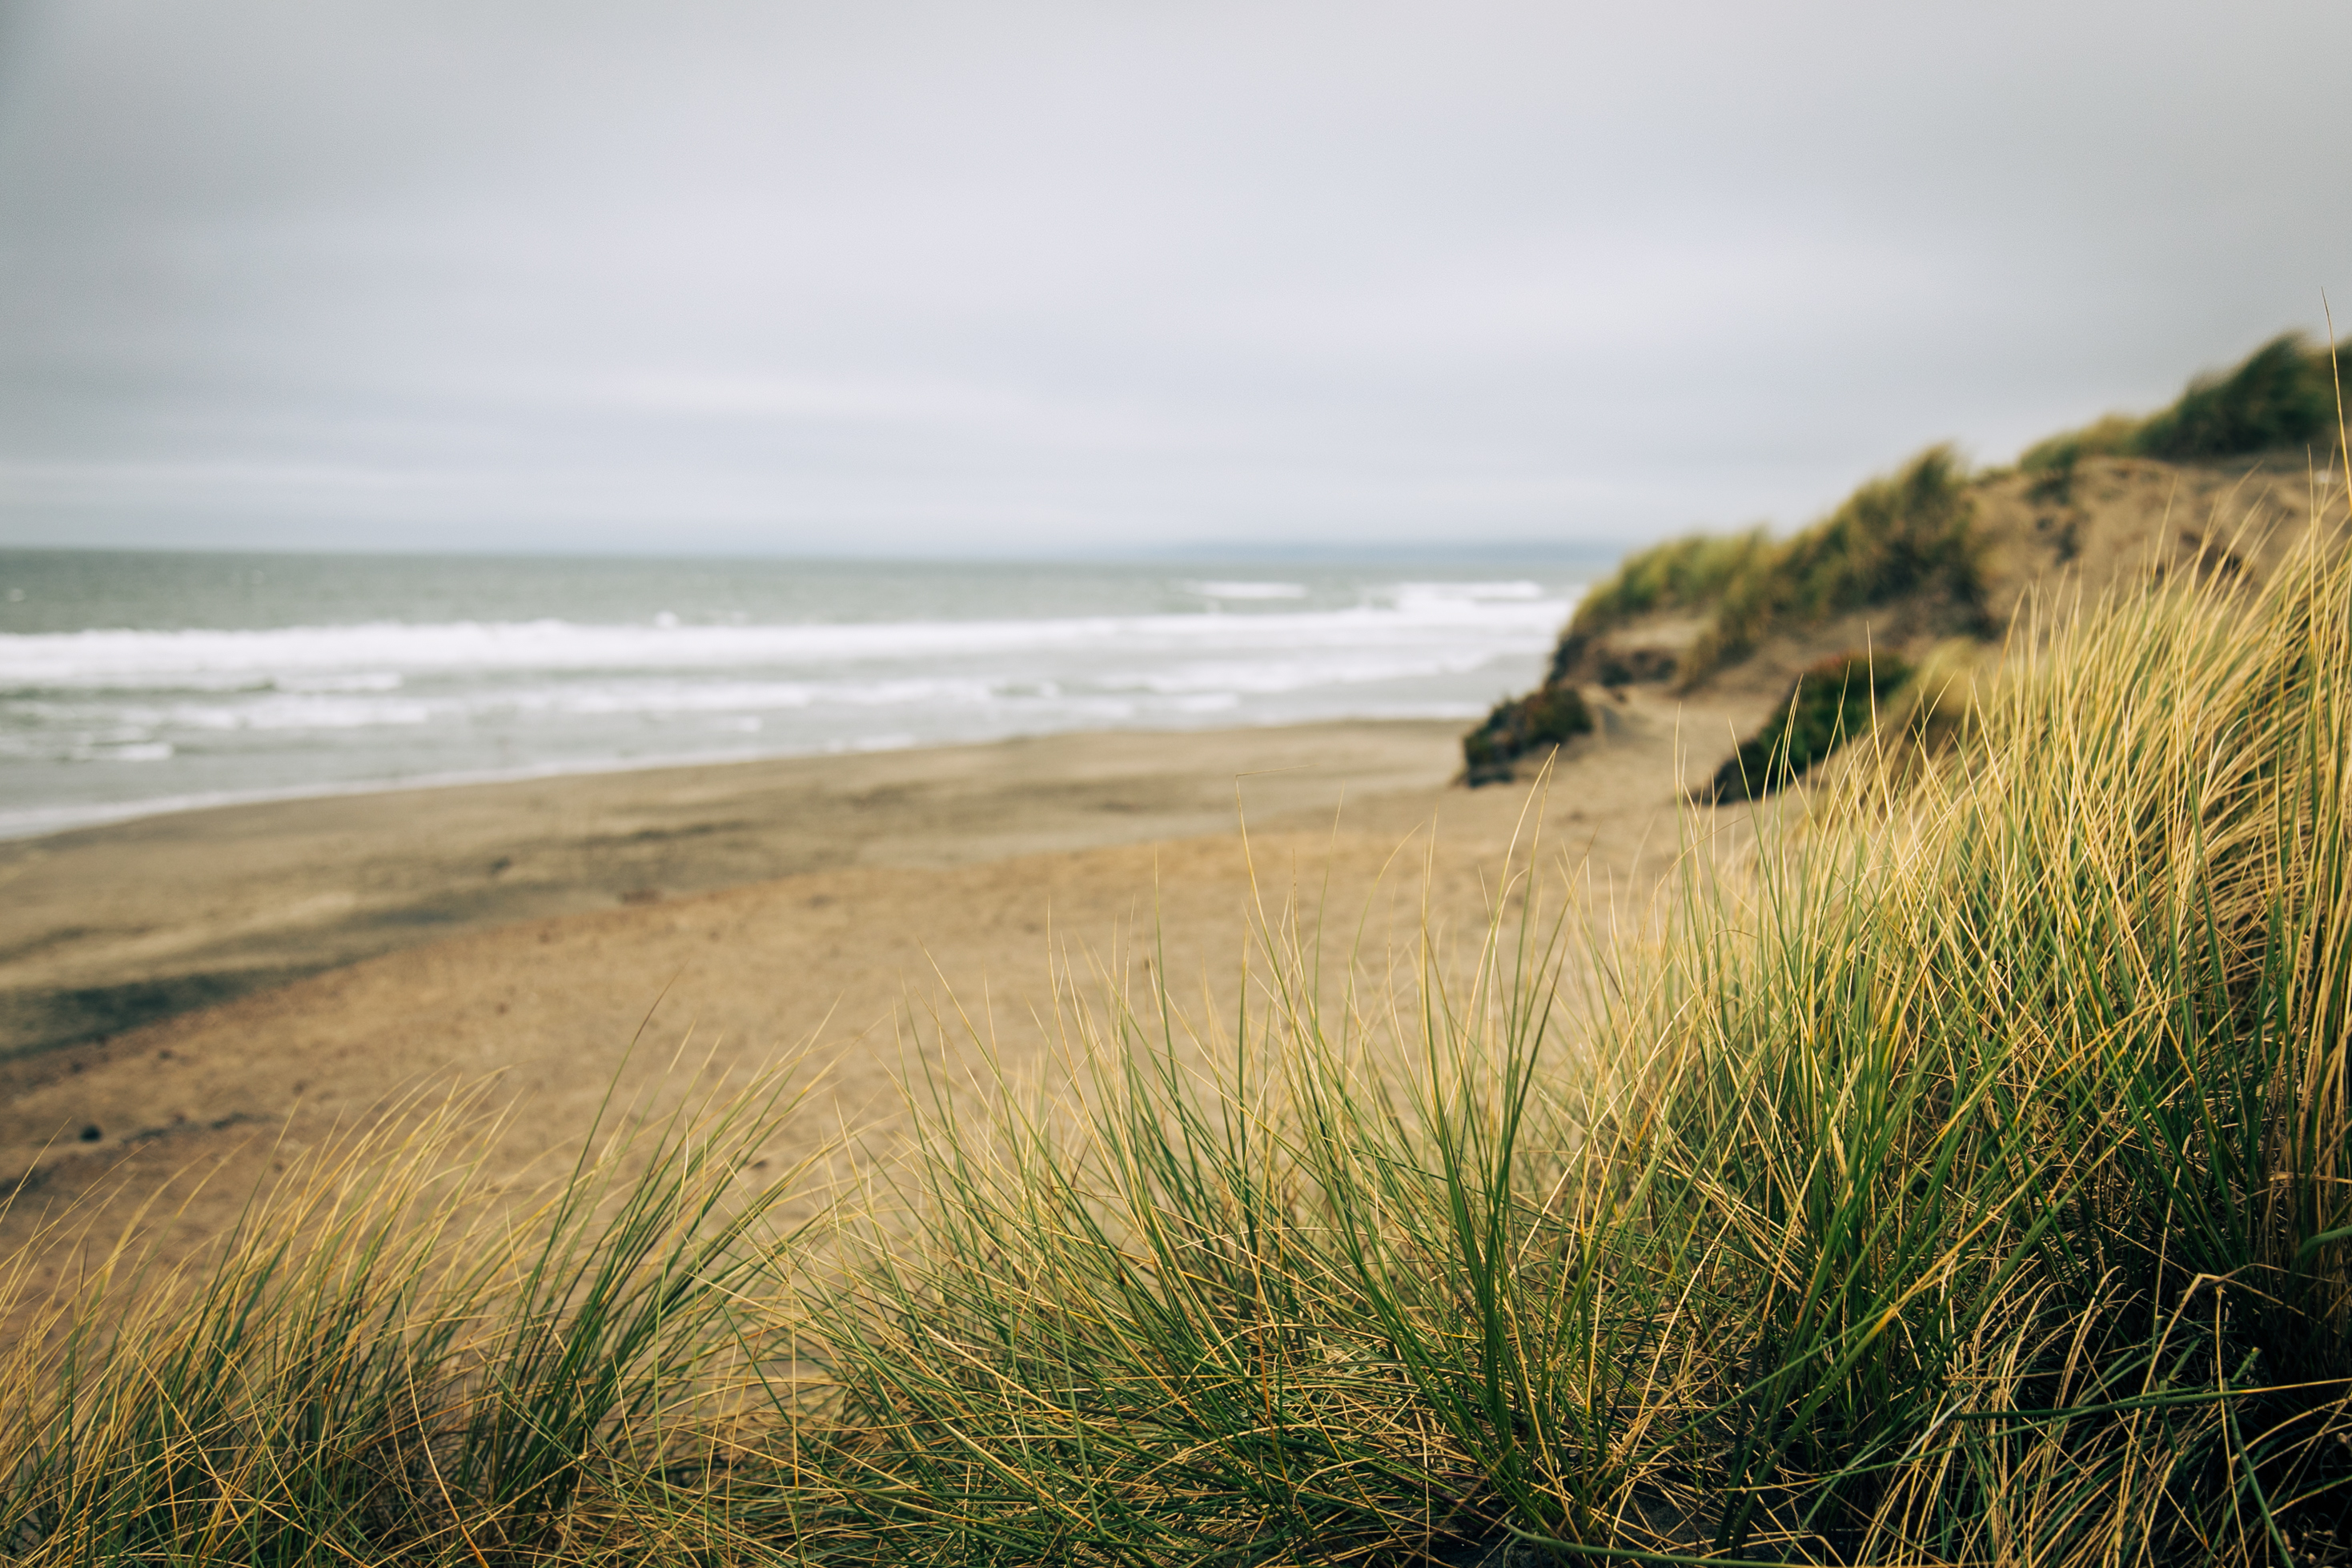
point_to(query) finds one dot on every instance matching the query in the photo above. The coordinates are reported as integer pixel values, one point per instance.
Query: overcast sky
(952, 278)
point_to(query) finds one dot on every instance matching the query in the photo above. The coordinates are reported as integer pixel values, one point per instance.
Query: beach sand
(524, 935)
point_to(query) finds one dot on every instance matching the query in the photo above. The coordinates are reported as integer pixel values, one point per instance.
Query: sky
(925, 279)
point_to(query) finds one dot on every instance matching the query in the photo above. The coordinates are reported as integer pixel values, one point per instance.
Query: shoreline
(14, 831)
(115, 923)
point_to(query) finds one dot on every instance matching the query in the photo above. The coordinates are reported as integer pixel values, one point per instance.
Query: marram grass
(1961, 1178)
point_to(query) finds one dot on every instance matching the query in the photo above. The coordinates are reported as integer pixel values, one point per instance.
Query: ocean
(133, 683)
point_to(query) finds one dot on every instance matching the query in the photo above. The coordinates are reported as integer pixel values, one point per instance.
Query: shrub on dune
(1547, 718)
(1835, 701)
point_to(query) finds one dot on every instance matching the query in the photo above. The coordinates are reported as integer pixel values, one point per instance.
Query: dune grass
(2283, 397)
(1908, 532)
(1900, 534)
(387, 1361)
(1681, 574)
(1958, 1177)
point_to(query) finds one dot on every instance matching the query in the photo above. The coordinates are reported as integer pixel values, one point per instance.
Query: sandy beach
(522, 936)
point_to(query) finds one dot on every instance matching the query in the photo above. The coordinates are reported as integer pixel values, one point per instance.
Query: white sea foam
(253, 714)
(1424, 596)
(381, 656)
(1252, 590)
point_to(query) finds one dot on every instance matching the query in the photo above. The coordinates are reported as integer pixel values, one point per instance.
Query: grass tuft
(387, 1361)
(2281, 396)
(1906, 533)
(1682, 574)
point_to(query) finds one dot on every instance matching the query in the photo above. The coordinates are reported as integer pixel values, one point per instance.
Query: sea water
(133, 683)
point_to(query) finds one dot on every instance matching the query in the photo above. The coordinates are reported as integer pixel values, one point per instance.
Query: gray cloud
(930, 278)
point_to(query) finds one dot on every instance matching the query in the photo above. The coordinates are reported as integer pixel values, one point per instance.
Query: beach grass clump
(1960, 1175)
(389, 1363)
(1681, 574)
(1830, 704)
(2281, 396)
(2019, 1118)
(1902, 534)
